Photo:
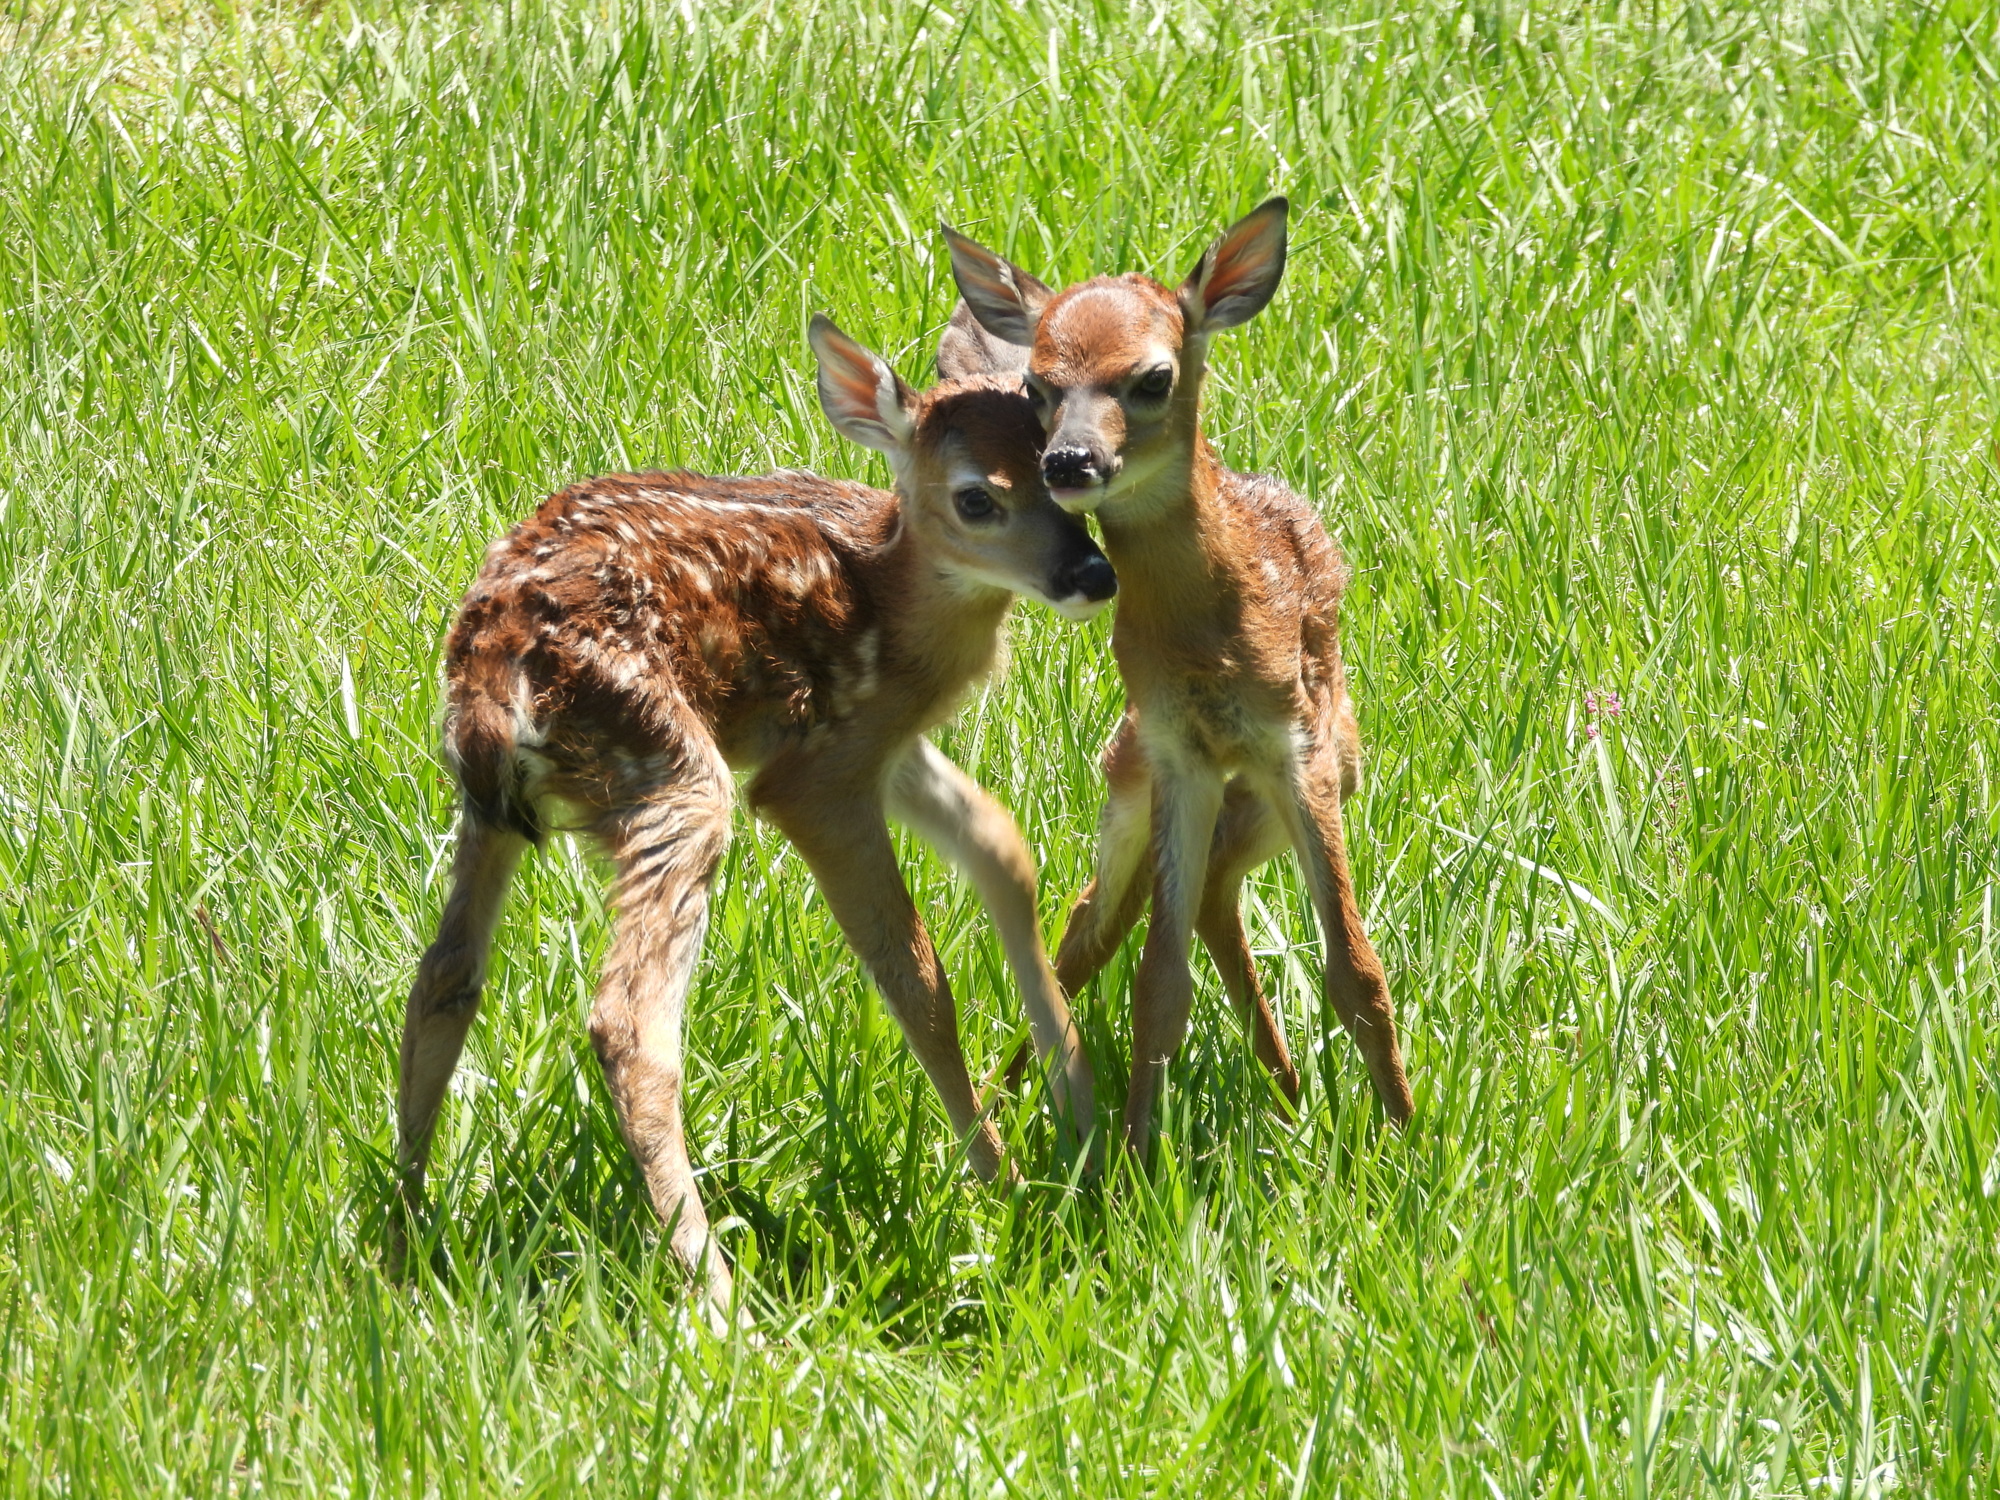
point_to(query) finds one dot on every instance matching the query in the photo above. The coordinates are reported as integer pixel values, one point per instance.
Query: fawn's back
(638, 618)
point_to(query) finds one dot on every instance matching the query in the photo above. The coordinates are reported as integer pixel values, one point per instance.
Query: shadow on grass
(834, 1221)
(880, 1238)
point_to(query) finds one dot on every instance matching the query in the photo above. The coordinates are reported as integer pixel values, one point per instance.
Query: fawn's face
(966, 455)
(1116, 364)
(1106, 377)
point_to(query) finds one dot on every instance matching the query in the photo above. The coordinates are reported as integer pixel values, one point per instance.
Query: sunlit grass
(1634, 351)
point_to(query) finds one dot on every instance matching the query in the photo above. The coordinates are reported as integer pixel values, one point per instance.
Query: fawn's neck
(941, 629)
(1163, 540)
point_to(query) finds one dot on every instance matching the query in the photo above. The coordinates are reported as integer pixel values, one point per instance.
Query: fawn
(1239, 736)
(644, 635)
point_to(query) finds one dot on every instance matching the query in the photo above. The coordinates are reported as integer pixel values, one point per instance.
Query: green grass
(1647, 349)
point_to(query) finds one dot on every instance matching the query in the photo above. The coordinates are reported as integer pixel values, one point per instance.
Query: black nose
(1092, 577)
(1070, 468)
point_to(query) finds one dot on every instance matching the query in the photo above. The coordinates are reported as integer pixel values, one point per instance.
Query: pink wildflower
(1600, 706)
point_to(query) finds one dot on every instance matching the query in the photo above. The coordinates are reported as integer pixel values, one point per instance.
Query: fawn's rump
(621, 753)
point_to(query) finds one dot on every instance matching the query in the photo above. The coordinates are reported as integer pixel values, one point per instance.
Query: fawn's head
(1117, 361)
(965, 457)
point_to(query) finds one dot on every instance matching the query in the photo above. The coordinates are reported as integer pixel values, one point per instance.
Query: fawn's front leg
(1185, 803)
(955, 816)
(844, 837)
(1111, 903)
(1248, 833)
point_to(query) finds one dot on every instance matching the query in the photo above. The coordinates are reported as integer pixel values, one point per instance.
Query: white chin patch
(1079, 502)
(1078, 608)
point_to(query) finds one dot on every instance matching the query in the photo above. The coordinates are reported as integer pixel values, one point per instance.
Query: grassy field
(1643, 359)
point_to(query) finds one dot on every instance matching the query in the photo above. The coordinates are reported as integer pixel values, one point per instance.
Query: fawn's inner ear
(1240, 272)
(865, 400)
(1005, 299)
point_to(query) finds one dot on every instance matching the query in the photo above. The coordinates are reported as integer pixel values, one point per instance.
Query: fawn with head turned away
(643, 636)
(1239, 736)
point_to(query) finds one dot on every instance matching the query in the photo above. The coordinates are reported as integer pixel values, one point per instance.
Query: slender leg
(1111, 903)
(1346, 738)
(443, 1001)
(1186, 801)
(1356, 986)
(845, 841)
(965, 825)
(1246, 835)
(666, 845)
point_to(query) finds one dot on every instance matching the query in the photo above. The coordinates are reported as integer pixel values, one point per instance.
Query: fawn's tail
(486, 734)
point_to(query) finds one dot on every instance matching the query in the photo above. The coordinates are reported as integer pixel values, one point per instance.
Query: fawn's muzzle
(1090, 576)
(1071, 468)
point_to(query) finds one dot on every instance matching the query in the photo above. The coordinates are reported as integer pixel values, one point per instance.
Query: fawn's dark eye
(1155, 383)
(973, 502)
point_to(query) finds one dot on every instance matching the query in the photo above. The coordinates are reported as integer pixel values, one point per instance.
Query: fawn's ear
(966, 348)
(1238, 273)
(1005, 299)
(865, 400)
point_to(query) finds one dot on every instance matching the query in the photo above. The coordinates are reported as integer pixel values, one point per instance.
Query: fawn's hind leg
(445, 998)
(666, 843)
(1356, 985)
